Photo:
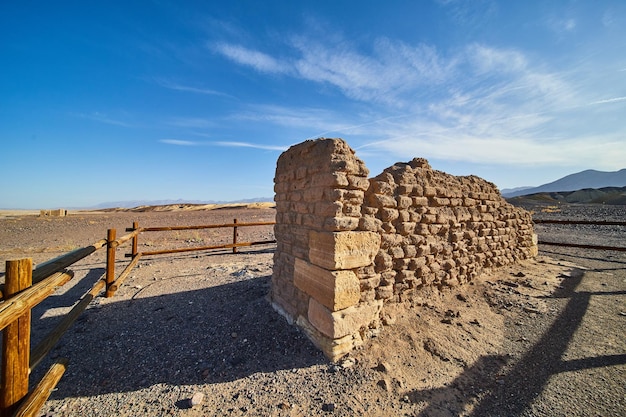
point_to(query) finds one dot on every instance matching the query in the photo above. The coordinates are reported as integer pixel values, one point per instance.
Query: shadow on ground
(511, 390)
(211, 335)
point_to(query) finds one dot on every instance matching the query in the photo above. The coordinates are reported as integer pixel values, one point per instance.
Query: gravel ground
(544, 338)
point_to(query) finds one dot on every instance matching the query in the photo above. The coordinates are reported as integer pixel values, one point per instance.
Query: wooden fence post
(135, 240)
(15, 340)
(234, 236)
(110, 273)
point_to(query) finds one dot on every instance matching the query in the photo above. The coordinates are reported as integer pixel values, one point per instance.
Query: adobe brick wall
(53, 213)
(346, 244)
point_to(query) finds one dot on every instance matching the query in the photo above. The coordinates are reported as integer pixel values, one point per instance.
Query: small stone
(461, 297)
(387, 320)
(284, 406)
(197, 399)
(348, 363)
(520, 274)
(233, 335)
(384, 384)
(328, 407)
(382, 367)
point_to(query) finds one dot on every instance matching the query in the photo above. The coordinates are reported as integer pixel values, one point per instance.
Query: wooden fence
(24, 288)
(582, 222)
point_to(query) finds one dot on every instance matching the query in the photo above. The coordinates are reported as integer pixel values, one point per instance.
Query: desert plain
(541, 338)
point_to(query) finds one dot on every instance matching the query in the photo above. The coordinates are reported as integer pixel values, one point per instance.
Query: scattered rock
(384, 384)
(382, 367)
(431, 347)
(387, 320)
(461, 297)
(532, 310)
(451, 313)
(348, 363)
(196, 399)
(328, 407)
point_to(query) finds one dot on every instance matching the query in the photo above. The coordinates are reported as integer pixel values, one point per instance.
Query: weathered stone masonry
(346, 244)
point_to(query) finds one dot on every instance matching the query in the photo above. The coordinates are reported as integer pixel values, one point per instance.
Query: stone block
(384, 292)
(343, 250)
(334, 289)
(338, 224)
(342, 323)
(370, 223)
(334, 349)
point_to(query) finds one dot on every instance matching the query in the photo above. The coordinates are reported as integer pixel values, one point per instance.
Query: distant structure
(348, 245)
(53, 213)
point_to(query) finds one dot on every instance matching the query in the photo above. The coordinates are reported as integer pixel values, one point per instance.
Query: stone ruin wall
(346, 244)
(53, 213)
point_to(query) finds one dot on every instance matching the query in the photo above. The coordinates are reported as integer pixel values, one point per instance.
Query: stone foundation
(346, 244)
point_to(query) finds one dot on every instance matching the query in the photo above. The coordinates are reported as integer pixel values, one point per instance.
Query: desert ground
(542, 338)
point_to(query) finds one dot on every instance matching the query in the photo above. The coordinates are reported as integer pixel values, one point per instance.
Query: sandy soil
(544, 338)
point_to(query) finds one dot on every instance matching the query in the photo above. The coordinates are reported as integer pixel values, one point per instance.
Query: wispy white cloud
(394, 68)
(103, 118)
(479, 104)
(454, 144)
(609, 100)
(258, 60)
(235, 144)
(230, 144)
(469, 14)
(185, 88)
(178, 142)
(488, 60)
(301, 118)
(562, 25)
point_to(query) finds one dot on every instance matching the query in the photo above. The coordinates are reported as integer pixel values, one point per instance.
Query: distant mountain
(579, 181)
(512, 191)
(138, 203)
(605, 195)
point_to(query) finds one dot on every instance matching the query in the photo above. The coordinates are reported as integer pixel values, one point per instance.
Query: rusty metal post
(110, 272)
(15, 340)
(234, 236)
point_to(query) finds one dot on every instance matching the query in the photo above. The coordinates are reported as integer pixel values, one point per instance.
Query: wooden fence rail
(24, 288)
(582, 222)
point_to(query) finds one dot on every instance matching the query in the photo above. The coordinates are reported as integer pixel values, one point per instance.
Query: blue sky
(145, 100)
